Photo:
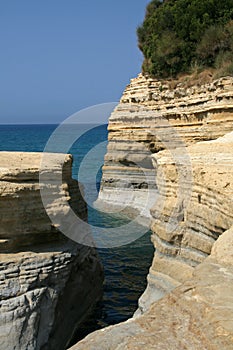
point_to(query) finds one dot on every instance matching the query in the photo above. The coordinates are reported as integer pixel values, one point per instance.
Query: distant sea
(125, 267)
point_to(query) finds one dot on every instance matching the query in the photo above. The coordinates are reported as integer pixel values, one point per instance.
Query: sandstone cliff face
(193, 235)
(175, 147)
(149, 118)
(192, 211)
(196, 315)
(152, 117)
(48, 282)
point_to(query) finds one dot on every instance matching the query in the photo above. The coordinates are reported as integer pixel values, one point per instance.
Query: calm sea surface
(125, 267)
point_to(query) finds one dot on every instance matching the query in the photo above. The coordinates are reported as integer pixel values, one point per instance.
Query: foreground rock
(193, 236)
(193, 209)
(48, 282)
(196, 315)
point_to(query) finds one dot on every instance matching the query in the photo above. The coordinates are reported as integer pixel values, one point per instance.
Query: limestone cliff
(194, 252)
(153, 116)
(190, 213)
(175, 147)
(196, 315)
(48, 282)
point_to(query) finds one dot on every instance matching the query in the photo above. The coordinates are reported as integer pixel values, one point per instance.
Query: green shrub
(176, 34)
(214, 40)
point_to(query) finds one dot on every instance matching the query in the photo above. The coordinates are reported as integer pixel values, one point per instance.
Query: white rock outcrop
(48, 282)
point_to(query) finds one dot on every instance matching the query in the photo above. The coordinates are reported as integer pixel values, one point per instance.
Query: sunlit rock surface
(193, 237)
(174, 145)
(48, 282)
(150, 117)
(193, 209)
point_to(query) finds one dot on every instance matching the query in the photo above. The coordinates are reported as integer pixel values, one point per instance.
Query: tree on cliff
(178, 34)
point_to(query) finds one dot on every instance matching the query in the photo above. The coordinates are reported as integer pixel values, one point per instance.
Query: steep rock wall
(177, 145)
(192, 211)
(151, 117)
(48, 282)
(194, 252)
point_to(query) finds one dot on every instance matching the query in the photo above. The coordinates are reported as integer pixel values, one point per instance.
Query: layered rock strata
(193, 236)
(193, 209)
(151, 117)
(48, 282)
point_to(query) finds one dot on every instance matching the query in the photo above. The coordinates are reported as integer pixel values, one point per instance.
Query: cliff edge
(46, 279)
(169, 159)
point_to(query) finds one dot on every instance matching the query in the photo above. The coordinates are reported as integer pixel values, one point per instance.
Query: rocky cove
(169, 160)
(177, 144)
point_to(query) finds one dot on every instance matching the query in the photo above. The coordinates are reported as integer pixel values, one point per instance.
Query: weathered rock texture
(193, 209)
(48, 282)
(151, 117)
(193, 236)
(175, 147)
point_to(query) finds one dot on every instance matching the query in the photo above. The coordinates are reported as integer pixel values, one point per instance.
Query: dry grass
(197, 78)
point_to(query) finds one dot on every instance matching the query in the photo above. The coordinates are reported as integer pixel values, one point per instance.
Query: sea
(125, 267)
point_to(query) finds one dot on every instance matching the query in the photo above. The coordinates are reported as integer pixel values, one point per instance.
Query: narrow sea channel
(125, 267)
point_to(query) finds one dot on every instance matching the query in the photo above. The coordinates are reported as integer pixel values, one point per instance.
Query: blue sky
(59, 56)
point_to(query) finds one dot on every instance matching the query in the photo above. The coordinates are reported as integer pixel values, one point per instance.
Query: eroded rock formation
(150, 117)
(194, 252)
(196, 315)
(48, 282)
(193, 209)
(175, 144)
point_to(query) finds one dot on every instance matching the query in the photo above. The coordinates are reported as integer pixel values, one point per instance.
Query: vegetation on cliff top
(180, 35)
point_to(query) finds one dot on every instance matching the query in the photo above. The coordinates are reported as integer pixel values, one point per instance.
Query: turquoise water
(125, 267)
